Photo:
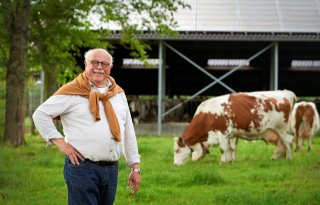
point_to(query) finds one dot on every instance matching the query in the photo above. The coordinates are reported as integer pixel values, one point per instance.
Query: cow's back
(255, 112)
(305, 119)
(243, 113)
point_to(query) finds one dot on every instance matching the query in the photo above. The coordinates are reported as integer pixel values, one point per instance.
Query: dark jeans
(90, 184)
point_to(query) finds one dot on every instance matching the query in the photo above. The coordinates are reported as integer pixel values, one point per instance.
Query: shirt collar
(93, 85)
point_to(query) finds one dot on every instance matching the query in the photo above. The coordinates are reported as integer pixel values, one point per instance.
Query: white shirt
(93, 139)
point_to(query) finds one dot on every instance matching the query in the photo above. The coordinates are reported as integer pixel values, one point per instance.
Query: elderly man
(97, 128)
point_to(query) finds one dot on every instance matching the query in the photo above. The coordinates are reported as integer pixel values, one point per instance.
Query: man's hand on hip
(68, 150)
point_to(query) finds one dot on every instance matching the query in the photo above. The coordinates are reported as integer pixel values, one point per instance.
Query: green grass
(33, 174)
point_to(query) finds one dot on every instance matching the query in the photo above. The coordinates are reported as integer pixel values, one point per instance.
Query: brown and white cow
(224, 119)
(304, 123)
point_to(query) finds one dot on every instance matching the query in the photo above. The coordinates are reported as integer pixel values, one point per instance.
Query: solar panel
(250, 16)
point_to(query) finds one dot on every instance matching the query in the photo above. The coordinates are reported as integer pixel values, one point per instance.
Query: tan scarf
(81, 86)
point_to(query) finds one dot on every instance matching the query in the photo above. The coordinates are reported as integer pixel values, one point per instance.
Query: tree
(16, 16)
(56, 53)
(59, 29)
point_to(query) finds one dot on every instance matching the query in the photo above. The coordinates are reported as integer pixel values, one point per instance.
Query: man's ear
(85, 63)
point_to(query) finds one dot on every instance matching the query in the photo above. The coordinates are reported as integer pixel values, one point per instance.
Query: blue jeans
(90, 184)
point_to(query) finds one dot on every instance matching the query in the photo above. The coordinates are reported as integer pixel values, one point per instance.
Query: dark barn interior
(182, 78)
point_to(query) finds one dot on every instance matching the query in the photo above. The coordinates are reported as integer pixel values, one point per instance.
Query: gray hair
(89, 52)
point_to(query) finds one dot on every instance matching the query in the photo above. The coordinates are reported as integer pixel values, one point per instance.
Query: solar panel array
(250, 16)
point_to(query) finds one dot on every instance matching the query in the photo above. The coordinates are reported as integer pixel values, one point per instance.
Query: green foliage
(34, 174)
(4, 48)
(2, 108)
(59, 29)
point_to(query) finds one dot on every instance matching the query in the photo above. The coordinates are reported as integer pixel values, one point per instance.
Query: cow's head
(182, 151)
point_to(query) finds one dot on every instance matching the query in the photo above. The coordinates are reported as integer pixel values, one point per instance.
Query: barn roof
(253, 20)
(251, 16)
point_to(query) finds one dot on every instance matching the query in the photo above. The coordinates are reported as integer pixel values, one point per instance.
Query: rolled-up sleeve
(131, 152)
(44, 114)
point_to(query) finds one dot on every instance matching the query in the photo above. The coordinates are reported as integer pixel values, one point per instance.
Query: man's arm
(44, 124)
(132, 153)
(43, 120)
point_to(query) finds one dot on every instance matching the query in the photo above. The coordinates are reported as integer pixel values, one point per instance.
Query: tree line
(48, 35)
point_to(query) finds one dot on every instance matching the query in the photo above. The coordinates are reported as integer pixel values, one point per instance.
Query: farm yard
(33, 174)
(167, 65)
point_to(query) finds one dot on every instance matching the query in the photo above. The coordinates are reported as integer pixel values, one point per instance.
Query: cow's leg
(287, 140)
(199, 151)
(297, 143)
(301, 140)
(225, 150)
(228, 155)
(233, 146)
(309, 144)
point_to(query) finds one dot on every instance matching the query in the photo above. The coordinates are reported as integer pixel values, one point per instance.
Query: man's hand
(134, 180)
(68, 150)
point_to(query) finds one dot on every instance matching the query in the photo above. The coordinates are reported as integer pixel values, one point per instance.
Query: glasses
(95, 63)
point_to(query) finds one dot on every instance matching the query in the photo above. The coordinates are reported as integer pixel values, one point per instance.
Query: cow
(251, 116)
(304, 123)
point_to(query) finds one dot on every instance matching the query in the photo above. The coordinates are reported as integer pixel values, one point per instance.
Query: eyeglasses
(95, 63)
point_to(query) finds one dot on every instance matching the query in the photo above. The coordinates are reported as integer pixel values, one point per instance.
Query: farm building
(225, 46)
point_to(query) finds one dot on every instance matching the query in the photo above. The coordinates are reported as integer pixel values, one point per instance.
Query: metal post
(274, 67)
(161, 85)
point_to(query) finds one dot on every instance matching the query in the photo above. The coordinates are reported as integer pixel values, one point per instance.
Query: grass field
(33, 175)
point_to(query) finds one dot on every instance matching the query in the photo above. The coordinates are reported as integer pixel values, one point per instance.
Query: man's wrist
(57, 141)
(136, 170)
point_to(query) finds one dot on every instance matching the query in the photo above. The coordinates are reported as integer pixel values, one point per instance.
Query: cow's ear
(175, 139)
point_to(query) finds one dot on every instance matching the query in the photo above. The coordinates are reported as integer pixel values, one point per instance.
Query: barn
(222, 47)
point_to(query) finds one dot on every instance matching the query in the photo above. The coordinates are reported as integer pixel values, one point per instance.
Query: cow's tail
(305, 129)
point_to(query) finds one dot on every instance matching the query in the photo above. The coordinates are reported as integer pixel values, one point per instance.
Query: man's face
(98, 68)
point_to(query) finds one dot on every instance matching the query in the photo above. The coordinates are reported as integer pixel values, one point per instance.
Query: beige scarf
(81, 86)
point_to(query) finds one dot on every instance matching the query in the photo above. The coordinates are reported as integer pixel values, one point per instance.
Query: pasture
(33, 174)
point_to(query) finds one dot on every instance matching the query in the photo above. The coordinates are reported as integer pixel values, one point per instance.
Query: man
(97, 129)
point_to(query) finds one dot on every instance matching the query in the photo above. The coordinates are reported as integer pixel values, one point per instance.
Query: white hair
(89, 52)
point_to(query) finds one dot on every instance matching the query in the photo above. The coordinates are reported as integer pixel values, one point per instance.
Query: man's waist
(102, 162)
